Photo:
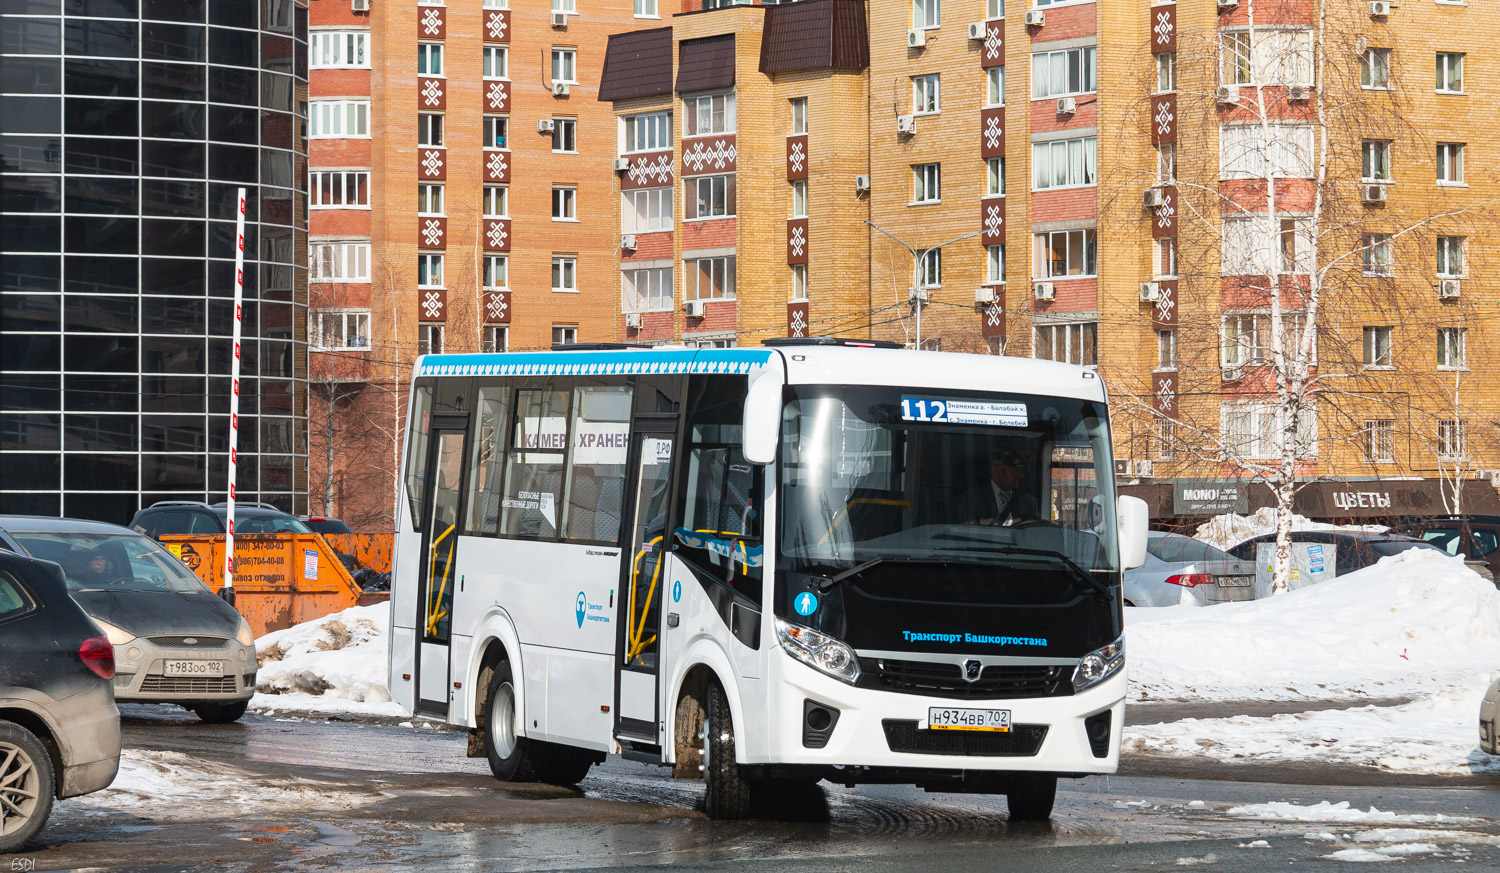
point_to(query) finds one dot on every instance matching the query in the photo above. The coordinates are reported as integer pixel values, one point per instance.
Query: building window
(564, 273)
(645, 210)
(645, 9)
(1450, 72)
(649, 132)
(496, 4)
(429, 271)
(565, 135)
(1239, 340)
(1377, 344)
(568, 6)
(1266, 56)
(1166, 350)
(429, 199)
(712, 113)
(496, 272)
(1061, 73)
(994, 9)
(926, 183)
(930, 268)
(496, 338)
(1450, 439)
(496, 131)
(926, 98)
(331, 49)
(1452, 348)
(339, 329)
(1064, 254)
(1380, 440)
(1251, 430)
(1064, 163)
(338, 118)
(1295, 246)
(1450, 256)
(564, 334)
(799, 281)
(496, 61)
(799, 115)
(1165, 257)
(1377, 160)
(339, 261)
(1069, 343)
(429, 59)
(709, 279)
(994, 172)
(799, 198)
(647, 290)
(334, 188)
(1450, 163)
(1375, 68)
(994, 86)
(564, 204)
(1164, 431)
(1250, 248)
(1166, 162)
(709, 197)
(926, 14)
(429, 339)
(496, 201)
(1248, 151)
(1376, 254)
(429, 128)
(565, 65)
(1166, 72)
(994, 263)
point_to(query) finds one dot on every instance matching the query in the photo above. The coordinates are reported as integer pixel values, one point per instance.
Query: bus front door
(442, 511)
(644, 576)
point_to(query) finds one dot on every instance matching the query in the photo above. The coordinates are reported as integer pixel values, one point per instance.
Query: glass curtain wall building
(125, 128)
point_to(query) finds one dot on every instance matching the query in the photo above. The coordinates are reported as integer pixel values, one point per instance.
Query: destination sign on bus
(950, 410)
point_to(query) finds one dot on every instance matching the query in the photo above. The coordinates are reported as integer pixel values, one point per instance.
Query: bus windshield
(877, 473)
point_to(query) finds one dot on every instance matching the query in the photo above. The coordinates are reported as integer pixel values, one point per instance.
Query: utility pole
(916, 294)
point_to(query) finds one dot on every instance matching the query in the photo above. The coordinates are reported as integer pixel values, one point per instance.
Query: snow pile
(1228, 531)
(1434, 735)
(328, 664)
(1340, 813)
(1410, 625)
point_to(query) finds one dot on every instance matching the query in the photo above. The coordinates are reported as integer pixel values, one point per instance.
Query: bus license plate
(942, 718)
(193, 668)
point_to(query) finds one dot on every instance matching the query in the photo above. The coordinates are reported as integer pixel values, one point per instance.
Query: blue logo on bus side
(677, 591)
(806, 603)
(580, 607)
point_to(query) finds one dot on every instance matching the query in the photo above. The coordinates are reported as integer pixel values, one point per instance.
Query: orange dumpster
(368, 550)
(280, 579)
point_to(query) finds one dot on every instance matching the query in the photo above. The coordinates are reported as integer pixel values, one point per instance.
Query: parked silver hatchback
(174, 640)
(1183, 571)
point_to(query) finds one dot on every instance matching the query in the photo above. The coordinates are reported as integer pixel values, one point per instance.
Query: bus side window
(487, 469)
(719, 527)
(416, 451)
(534, 464)
(596, 468)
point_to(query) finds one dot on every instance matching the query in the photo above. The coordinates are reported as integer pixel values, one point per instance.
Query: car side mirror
(1132, 517)
(761, 426)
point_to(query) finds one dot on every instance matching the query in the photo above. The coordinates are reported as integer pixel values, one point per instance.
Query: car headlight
(246, 636)
(117, 636)
(1100, 664)
(818, 650)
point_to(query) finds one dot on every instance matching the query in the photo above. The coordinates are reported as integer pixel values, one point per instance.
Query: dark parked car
(1476, 537)
(190, 517)
(59, 728)
(326, 525)
(174, 641)
(1353, 550)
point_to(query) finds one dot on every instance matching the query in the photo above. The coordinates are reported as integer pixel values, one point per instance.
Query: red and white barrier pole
(234, 394)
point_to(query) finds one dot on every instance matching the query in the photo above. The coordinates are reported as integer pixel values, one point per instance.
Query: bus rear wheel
(510, 755)
(727, 791)
(1031, 797)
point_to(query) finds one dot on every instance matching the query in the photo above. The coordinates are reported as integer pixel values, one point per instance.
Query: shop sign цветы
(1200, 497)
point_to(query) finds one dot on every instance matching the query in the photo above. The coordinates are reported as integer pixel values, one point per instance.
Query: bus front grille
(996, 682)
(1021, 741)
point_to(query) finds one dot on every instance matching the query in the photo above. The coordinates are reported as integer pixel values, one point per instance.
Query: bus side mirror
(1132, 516)
(762, 422)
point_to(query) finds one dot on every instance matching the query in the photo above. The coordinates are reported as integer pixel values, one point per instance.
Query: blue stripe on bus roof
(595, 363)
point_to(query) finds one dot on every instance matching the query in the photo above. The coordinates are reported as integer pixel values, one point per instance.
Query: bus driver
(1004, 501)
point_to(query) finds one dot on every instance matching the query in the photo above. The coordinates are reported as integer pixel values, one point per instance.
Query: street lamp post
(916, 291)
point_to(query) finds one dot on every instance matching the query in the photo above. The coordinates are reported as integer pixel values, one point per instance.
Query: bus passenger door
(644, 576)
(438, 574)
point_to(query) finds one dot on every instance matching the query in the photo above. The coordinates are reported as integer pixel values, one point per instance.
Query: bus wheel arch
(687, 723)
(493, 651)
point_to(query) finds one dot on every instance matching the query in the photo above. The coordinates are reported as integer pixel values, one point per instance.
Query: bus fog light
(818, 650)
(1099, 665)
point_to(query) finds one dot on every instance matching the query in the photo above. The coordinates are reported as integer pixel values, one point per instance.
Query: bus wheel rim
(503, 720)
(20, 792)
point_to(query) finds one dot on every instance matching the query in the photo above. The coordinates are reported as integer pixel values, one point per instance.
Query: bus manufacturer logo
(972, 669)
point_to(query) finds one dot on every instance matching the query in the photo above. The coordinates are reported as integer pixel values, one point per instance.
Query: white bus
(763, 567)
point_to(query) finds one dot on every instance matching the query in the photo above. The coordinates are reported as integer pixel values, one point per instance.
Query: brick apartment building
(1070, 180)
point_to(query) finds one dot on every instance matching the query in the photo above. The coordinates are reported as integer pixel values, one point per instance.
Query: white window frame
(430, 60)
(1451, 249)
(1379, 347)
(347, 181)
(1079, 341)
(1065, 163)
(1450, 164)
(1452, 440)
(994, 10)
(564, 203)
(564, 128)
(1243, 154)
(926, 184)
(495, 338)
(1166, 72)
(1164, 257)
(926, 14)
(646, 9)
(1249, 429)
(492, 123)
(338, 50)
(565, 274)
(564, 334)
(994, 177)
(646, 132)
(1375, 69)
(496, 55)
(1053, 72)
(930, 268)
(994, 87)
(799, 198)
(927, 94)
(659, 293)
(1266, 56)
(564, 62)
(1453, 348)
(697, 107)
(338, 119)
(655, 204)
(799, 282)
(320, 323)
(430, 270)
(1166, 162)
(495, 201)
(1245, 336)
(1087, 246)
(429, 123)
(430, 338)
(1446, 63)
(994, 265)
(1375, 160)
(494, 265)
(430, 194)
(1380, 440)
(692, 284)
(798, 108)
(1166, 349)
(1377, 255)
(722, 197)
(567, 7)
(339, 260)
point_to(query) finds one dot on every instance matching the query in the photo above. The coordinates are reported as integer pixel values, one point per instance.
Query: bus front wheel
(1031, 797)
(727, 791)
(510, 755)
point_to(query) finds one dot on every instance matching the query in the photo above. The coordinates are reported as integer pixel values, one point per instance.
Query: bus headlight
(1100, 664)
(818, 650)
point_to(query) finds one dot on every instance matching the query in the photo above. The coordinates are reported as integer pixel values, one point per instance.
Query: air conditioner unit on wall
(916, 38)
(559, 89)
(1150, 292)
(1044, 291)
(694, 308)
(861, 184)
(984, 296)
(622, 164)
(1035, 18)
(1449, 288)
(1228, 94)
(1143, 469)
(977, 30)
(1228, 4)
(1067, 105)
(359, 5)
(633, 320)
(1122, 467)
(545, 125)
(1372, 193)
(906, 124)
(1153, 197)
(559, 19)
(1379, 8)
(1232, 374)
(627, 241)
(1298, 94)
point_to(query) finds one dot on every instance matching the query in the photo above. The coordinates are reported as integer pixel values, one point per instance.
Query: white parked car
(1183, 571)
(1489, 719)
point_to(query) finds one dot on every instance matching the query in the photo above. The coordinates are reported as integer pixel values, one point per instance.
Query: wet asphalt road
(275, 794)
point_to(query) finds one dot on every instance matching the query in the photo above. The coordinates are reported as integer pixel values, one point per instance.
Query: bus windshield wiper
(830, 581)
(1077, 571)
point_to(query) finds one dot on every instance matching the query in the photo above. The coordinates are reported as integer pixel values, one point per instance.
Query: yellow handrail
(844, 513)
(433, 616)
(633, 632)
